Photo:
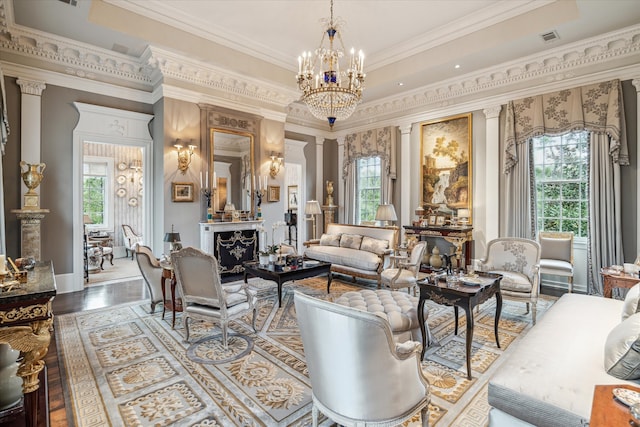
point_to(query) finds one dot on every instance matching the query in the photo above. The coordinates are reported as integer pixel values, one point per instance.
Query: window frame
(358, 201)
(109, 191)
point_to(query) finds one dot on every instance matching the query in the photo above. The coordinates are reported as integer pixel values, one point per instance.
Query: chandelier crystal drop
(334, 92)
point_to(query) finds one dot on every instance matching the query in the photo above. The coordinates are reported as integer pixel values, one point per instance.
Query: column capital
(492, 112)
(405, 128)
(31, 87)
(636, 84)
(320, 140)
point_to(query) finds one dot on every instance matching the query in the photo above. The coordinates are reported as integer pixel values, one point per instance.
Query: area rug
(125, 367)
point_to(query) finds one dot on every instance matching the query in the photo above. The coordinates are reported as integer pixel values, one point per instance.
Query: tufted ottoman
(399, 308)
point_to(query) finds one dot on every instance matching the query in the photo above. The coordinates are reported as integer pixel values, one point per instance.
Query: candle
(207, 179)
(201, 180)
(215, 180)
(254, 183)
(3, 264)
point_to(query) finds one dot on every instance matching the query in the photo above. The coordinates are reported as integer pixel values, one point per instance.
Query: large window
(97, 191)
(369, 184)
(561, 179)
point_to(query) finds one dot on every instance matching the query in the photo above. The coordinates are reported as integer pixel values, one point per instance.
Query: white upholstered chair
(405, 274)
(370, 380)
(151, 273)
(556, 257)
(204, 297)
(518, 261)
(131, 240)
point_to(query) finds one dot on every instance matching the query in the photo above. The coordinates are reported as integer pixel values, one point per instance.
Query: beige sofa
(549, 378)
(354, 250)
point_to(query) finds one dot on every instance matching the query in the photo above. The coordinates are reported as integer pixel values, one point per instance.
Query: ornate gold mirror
(231, 170)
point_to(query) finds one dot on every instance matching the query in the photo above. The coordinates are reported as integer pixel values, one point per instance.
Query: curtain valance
(376, 142)
(596, 108)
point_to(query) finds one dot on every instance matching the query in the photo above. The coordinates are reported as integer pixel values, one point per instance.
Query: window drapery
(375, 142)
(598, 109)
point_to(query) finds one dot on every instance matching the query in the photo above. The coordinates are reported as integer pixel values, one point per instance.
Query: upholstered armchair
(204, 297)
(405, 274)
(359, 375)
(518, 261)
(556, 256)
(131, 240)
(151, 273)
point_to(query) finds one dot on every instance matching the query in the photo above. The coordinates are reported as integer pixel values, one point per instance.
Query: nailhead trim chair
(556, 257)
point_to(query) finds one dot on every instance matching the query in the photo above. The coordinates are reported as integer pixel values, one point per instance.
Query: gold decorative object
(329, 193)
(32, 177)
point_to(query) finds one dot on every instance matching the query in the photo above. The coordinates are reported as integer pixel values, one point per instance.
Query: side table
(612, 279)
(606, 410)
(172, 304)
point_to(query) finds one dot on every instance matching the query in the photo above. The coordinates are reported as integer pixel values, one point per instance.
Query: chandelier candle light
(331, 94)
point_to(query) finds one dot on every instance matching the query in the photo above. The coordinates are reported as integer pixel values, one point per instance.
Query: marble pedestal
(30, 231)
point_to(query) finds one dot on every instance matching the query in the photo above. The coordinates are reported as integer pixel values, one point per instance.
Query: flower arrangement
(273, 248)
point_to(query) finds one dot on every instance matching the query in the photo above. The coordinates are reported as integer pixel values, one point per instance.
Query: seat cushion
(554, 266)
(354, 258)
(513, 281)
(406, 278)
(400, 309)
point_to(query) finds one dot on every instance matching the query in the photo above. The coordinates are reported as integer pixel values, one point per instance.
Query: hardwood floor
(90, 298)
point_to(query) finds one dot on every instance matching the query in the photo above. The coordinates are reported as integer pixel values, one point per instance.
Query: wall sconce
(184, 155)
(276, 163)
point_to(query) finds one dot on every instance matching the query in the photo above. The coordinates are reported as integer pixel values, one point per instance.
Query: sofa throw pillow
(350, 241)
(622, 349)
(377, 246)
(330, 240)
(631, 302)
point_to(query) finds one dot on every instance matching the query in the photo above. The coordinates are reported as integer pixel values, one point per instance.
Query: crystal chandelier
(331, 94)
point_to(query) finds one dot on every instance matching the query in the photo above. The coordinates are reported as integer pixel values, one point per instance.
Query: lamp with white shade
(312, 207)
(386, 213)
(463, 216)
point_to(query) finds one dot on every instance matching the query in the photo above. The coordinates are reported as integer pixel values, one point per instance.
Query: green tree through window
(369, 187)
(94, 198)
(561, 180)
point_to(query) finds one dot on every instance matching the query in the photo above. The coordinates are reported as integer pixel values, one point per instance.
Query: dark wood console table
(460, 237)
(26, 321)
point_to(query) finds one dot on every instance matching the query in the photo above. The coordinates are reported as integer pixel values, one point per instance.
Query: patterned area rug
(126, 367)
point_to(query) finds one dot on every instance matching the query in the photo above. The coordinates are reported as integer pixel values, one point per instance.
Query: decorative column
(319, 166)
(31, 113)
(340, 141)
(30, 231)
(636, 84)
(492, 173)
(405, 176)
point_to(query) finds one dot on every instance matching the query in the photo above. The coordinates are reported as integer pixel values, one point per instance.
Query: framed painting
(445, 160)
(292, 197)
(182, 191)
(440, 220)
(273, 193)
(432, 220)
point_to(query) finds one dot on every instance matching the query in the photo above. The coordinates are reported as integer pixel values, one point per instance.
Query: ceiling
(408, 44)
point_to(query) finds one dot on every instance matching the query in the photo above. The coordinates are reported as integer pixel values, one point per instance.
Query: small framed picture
(292, 196)
(440, 220)
(273, 193)
(182, 191)
(432, 220)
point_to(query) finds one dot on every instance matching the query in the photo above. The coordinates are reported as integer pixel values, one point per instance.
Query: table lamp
(386, 213)
(463, 216)
(312, 207)
(229, 208)
(173, 239)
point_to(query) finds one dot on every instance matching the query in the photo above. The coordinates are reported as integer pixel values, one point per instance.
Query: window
(561, 166)
(97, 191)
(369, 186)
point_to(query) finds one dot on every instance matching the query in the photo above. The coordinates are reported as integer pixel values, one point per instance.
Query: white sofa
(549, 378)
(365, 257)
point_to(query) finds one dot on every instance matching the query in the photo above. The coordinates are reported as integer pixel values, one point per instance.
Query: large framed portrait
(445, 159)
(182, 191)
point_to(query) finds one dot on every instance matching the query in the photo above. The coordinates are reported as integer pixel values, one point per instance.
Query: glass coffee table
(467, 294)
(309, 269)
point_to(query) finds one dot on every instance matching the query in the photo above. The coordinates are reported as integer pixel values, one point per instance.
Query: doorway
(122, 136)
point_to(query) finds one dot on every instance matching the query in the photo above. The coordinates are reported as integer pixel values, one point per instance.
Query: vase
(273, 257)
(32, 176)
(10, 383)
(435, 260)
(264, 259)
